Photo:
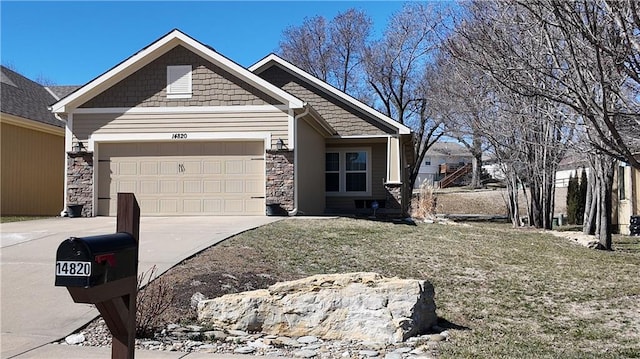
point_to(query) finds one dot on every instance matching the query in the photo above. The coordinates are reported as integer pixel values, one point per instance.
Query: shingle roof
(62, 91)
(24, 98)
(448, 149)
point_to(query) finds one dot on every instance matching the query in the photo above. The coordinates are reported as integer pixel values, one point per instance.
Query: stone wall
(280, 182)
(80, 181)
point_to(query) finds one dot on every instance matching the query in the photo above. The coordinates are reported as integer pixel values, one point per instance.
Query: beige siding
(311, 199)
(623, 209)
(275, 122)
(32, 171)
(346, 120)
(378, 174)
(212, 86)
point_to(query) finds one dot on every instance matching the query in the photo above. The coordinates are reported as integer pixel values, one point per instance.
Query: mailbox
(91, 261)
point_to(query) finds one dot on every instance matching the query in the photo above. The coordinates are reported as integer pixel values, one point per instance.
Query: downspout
(63, 212)
(294, 211)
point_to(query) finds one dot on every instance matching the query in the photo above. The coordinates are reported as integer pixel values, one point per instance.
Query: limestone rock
(354, 306)
(196, 298)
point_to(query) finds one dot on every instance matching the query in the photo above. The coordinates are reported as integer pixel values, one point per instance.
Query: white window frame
(342, 151)
(185, 73)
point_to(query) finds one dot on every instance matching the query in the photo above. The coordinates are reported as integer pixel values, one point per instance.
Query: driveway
(35, 312)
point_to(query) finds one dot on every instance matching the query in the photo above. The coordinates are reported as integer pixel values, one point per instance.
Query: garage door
(187, 178)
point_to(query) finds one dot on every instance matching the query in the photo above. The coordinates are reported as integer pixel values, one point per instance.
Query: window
(179, 83)
(427, 161)
(348, 171)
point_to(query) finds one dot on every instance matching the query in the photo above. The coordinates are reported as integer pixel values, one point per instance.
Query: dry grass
(424, 204)
(506, 293)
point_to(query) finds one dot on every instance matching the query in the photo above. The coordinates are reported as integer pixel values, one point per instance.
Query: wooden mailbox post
(103, 270)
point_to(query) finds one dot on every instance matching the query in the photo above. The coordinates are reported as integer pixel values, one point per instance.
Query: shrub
(572, 204)
(154, 298)
(576, 198)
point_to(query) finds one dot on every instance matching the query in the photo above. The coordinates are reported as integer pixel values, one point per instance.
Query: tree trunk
(476, 175)
(589, 220)
(605, 175)
(476, 163)
(548, 199)
(512, 201)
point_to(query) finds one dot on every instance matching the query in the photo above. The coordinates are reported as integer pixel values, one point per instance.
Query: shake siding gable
(346, 120)
(212, 86)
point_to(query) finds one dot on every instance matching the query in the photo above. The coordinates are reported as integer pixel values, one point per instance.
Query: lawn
(506, 293)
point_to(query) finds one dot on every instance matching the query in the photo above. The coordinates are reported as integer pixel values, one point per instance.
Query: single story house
(32, 148)
(190, 132)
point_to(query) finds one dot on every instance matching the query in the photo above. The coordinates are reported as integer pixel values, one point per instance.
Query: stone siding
(280, 182)
(80, 181)
(346, 120)
(211, 86)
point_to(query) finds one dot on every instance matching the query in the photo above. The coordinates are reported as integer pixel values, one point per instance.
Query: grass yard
(9, 219)
(506, 293)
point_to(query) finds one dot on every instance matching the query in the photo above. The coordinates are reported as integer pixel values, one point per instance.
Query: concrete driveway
(35, 312)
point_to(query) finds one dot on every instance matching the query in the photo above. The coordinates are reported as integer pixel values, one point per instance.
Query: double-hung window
(348, 172)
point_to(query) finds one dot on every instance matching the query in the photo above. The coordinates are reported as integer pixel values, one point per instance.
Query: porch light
(79, 147)
(280, 145)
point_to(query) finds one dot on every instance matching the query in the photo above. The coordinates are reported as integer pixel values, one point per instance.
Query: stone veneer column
(394, 196)
(280, 183)
(80, 181)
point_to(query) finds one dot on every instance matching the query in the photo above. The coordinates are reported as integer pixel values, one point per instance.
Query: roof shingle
(24, 98)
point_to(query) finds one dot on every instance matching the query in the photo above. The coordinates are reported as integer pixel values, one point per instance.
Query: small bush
(154, 298)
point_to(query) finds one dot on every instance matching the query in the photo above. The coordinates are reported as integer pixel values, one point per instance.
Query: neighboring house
(32, 148)
(191, 132)
(626, 197)
(571, 165)
(441, 159)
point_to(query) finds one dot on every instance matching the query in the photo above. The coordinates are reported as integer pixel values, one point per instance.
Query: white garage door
(186, 178)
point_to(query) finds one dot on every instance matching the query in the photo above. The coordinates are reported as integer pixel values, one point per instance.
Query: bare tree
(349, 32)
(397, 68)
(529, 129)
(586, 55)
(461, 100)
(330, 50)
(307, 47)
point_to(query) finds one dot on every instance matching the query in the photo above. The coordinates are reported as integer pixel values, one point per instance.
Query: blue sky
(70, 43)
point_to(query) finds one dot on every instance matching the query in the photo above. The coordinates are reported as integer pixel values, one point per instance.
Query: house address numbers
(179, 136)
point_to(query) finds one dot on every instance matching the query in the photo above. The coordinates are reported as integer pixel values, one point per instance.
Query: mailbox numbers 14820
(74, 269)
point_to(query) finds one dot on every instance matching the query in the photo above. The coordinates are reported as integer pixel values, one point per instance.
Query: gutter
(63, 212)
(294, 211)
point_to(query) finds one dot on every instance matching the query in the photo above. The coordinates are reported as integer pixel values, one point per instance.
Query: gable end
(346, 120)
(211, 86)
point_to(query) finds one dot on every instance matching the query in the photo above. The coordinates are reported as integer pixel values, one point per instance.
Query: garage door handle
(256, 197)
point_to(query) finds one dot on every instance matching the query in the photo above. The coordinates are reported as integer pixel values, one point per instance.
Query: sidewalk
(35, 312)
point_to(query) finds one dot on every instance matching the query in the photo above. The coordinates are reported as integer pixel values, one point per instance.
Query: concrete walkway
(35, 312)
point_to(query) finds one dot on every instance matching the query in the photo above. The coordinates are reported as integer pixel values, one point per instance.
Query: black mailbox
(92, 261)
